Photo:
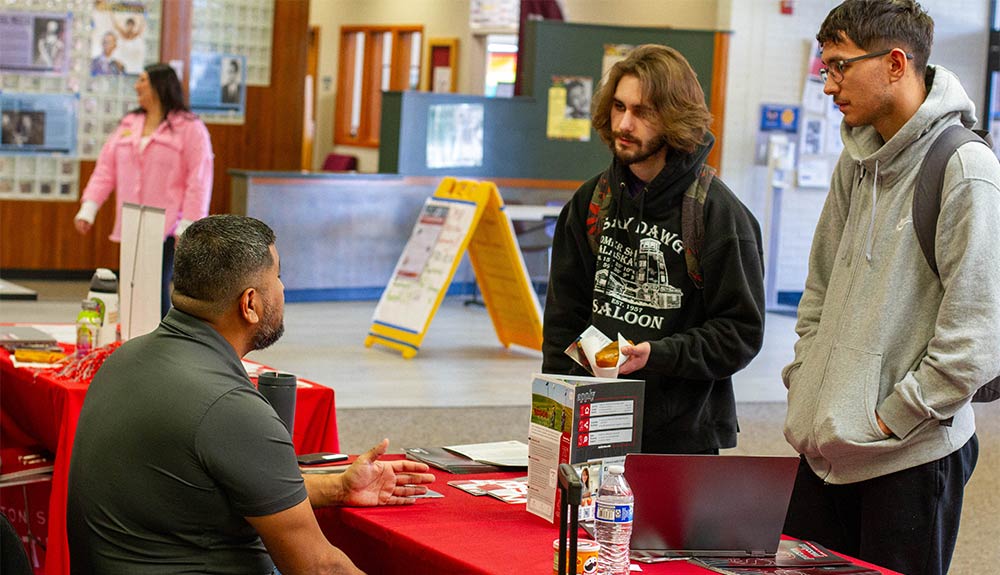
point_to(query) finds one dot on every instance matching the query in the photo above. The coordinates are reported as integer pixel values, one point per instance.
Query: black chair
(340, 163)
(13, 556)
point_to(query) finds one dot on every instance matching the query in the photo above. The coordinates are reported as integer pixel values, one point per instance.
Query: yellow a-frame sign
(461, 215)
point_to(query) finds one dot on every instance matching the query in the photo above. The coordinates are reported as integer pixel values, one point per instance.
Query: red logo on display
(583, 439)
(585, 410)
(584, 425)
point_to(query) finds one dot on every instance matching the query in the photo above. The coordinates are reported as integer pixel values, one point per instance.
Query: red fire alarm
(787, 7)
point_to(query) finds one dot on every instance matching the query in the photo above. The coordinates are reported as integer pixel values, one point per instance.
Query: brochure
(506, 490)
(805, 557)
(441, 458)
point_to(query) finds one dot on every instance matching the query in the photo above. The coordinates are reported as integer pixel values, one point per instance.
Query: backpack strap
(597, 212)
(692, 218)
(930, 180)
(927, 208)
(693, 222)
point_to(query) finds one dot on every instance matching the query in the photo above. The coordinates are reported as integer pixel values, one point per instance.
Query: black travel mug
(279, 390)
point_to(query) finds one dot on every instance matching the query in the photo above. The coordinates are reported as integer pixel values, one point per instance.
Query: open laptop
(709, 505)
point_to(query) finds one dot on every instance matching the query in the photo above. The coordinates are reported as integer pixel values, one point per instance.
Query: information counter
(340, 235)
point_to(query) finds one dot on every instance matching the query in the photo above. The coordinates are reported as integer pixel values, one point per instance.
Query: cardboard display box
(588, 422)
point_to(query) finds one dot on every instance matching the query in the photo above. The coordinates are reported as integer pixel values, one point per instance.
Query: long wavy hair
(670, 87)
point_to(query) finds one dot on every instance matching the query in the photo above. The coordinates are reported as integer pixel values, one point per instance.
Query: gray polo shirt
(173, 449)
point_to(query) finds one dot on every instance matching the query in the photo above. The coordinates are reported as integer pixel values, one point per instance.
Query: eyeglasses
(836, 69)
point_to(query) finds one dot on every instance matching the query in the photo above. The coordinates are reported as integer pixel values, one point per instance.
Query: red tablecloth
(458, 533)
(41, 409)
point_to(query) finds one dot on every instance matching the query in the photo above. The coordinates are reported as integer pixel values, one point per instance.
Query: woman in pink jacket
(161, 156)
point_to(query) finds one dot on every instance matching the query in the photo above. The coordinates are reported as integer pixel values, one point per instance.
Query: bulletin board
(46, 166)
(460, 216)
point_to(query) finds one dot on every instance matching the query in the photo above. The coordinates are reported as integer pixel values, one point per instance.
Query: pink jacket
(174, 172)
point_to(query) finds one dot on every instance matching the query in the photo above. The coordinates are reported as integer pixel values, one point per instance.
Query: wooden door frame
(312, 69)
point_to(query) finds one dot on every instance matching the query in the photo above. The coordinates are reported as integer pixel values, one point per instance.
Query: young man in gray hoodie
(888, 355)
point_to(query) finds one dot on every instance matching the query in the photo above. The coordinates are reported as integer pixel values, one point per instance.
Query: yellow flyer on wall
(569, 108)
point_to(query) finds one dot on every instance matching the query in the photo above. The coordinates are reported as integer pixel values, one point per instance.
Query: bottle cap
(104, 280)
(616, 469)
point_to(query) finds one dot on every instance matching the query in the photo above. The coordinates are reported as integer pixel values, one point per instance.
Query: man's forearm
(324, 489)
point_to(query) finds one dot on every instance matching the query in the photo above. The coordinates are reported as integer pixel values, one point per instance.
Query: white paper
(502, 453)
(441, 83)
(592, 341)
(454, 135)
(408, 302)
(834, 144)
(813, 99)
(141, 265)
(813, 137)
(422, 241)
(543, 472)
(613, 53)
(814, 173)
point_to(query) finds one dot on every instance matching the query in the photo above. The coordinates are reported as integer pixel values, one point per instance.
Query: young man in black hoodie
(689, 339)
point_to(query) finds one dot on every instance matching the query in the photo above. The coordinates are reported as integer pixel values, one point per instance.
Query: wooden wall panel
(717, 99)
(39, 236)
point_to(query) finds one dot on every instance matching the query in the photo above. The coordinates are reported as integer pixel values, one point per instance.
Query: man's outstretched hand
(369, 482)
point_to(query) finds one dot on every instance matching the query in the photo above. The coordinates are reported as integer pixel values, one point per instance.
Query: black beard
(267, 335)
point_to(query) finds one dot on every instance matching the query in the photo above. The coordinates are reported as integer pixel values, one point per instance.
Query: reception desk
(41, 410)
(340, 235)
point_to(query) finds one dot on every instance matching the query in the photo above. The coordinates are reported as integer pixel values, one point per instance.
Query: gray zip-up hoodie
(878, 331)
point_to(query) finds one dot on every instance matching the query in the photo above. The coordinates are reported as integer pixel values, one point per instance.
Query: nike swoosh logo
(902, 223)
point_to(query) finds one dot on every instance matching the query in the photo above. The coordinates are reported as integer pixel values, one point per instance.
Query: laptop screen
(709, 505)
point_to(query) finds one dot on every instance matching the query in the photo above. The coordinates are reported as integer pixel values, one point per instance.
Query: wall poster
(117, 38)
(569, 108)
(35, 42)
(39, 123)
(454, 135)
(218, 83)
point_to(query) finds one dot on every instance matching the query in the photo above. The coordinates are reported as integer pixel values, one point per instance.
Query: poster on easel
(459, 217)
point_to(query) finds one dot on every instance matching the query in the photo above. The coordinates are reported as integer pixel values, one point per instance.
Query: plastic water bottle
(613, 527)
(104, 290)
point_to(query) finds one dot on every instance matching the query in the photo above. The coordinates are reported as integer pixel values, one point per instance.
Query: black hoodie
(698, 338)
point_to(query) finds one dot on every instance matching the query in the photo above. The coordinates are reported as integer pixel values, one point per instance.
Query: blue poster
(218, 83)
(779, 118)
(35, 42)
(38, 123)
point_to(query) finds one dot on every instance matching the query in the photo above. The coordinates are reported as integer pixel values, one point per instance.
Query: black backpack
(927, 207)
(692, 218)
